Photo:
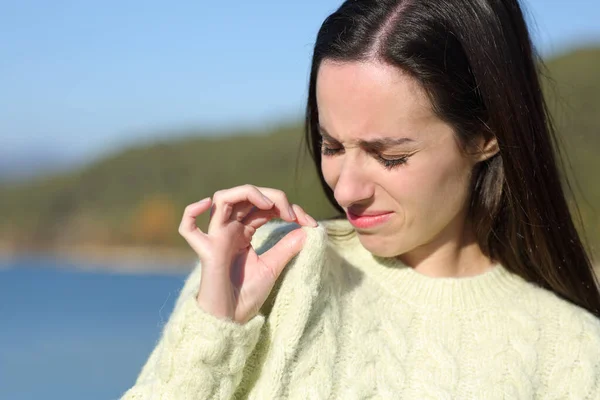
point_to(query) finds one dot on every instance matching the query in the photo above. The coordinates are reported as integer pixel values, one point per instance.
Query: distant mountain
(20, 165)
(35, 160)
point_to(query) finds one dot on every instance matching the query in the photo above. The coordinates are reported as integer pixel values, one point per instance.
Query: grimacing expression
(416, 170)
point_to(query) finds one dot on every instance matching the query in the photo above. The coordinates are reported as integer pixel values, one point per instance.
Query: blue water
(68, 335)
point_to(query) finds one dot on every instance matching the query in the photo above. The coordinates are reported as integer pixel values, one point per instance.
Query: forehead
(358, 99)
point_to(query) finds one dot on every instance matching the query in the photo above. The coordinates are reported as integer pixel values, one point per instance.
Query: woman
(455, 270)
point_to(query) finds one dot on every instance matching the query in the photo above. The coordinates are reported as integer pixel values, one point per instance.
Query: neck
(493, 287)
(453, 253)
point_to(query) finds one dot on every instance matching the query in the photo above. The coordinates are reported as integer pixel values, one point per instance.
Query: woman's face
(424, 188)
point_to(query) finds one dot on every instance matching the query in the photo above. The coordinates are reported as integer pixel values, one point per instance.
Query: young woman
(455, 270)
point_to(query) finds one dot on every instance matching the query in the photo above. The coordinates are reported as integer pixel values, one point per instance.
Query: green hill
(137, 196)
(573, 93)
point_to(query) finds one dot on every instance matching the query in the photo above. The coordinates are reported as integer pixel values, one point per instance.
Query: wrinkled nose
(353, 185)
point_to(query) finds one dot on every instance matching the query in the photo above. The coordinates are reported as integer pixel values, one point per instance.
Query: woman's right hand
(235, 281)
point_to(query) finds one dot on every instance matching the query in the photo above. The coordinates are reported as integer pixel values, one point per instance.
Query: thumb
(278, 256)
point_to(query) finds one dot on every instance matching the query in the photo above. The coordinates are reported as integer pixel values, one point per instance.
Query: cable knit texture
(342, 323)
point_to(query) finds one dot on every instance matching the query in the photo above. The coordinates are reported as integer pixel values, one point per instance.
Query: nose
(353, 185)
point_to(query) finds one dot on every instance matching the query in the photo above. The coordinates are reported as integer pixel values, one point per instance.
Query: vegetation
(137, 196)
(573, 93)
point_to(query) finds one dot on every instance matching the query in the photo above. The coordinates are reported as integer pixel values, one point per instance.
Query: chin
(378, 246)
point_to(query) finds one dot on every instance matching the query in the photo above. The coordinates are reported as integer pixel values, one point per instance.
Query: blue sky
(81, 78)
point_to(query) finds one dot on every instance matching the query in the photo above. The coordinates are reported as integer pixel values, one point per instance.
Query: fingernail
(292, 213)
(311, 219)
(204, 200)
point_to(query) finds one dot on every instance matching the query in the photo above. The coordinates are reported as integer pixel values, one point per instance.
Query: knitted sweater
(344, 324)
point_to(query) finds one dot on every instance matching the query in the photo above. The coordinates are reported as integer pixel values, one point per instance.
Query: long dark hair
(475, 60)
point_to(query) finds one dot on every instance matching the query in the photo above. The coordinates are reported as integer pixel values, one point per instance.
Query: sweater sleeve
(199, 356)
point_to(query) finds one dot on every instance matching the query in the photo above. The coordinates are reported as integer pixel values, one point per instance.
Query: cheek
(433, 191)
(330, 171)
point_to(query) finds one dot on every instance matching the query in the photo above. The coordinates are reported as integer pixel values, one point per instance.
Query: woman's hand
(235, 280)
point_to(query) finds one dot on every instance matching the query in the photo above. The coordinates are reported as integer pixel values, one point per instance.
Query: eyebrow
(376, 143)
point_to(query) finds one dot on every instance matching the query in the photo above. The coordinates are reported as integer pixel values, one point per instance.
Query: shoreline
(120, 259)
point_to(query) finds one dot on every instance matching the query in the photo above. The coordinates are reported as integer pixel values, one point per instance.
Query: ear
(485, 148)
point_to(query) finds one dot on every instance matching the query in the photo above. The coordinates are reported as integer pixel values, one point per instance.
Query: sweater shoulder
(549, 306)
(572, 332)
(559, 316)
(303, 270)
(569, 345)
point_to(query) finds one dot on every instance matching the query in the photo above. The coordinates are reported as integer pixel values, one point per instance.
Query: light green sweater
(344, 324)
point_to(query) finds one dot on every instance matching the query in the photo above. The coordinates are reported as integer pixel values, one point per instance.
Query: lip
(368, 220)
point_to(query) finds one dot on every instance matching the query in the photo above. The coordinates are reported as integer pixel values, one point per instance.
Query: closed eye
(388, 163)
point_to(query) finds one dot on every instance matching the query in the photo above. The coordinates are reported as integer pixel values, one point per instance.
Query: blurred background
(116, 115)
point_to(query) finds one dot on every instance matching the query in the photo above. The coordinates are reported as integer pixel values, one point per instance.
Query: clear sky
(80, 78)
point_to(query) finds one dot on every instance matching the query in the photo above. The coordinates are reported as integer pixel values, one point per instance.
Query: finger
(277, 257)
(241, 210)
(303, 217)
(281, 203)
(225, 200)
(188, 221)
(258, 218)
(188, 229)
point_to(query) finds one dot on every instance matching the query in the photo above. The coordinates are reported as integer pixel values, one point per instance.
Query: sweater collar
(489, 289)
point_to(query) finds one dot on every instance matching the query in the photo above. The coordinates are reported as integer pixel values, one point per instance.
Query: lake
(74, 335)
